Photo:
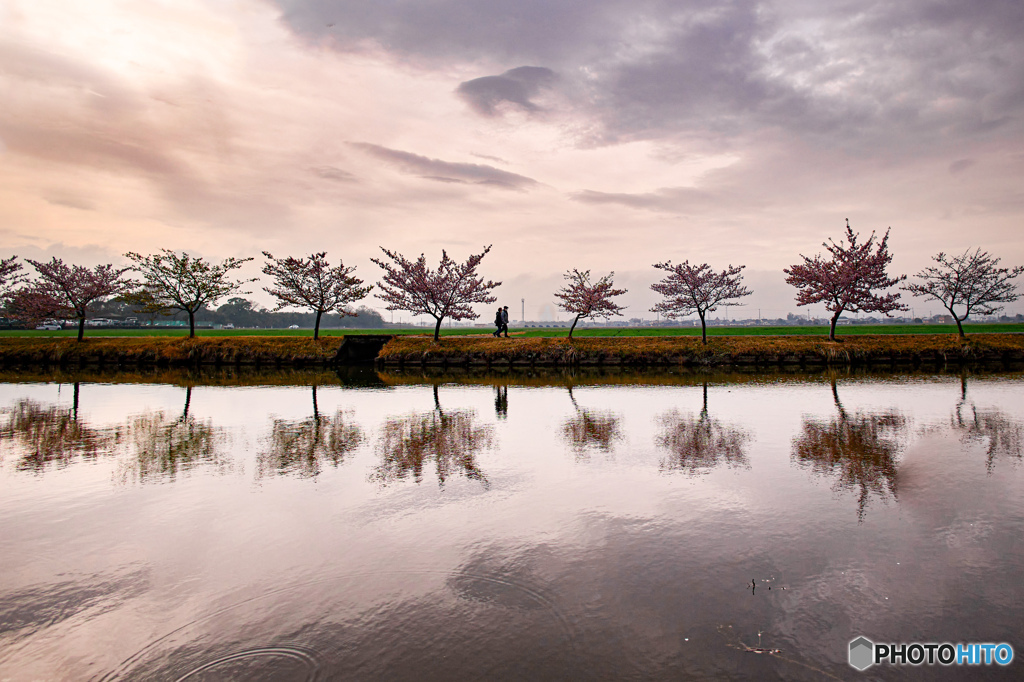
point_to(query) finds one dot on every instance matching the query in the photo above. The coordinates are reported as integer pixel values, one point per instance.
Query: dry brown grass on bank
(672, 350)
(170, 350)
(204, 376)
(632, 376)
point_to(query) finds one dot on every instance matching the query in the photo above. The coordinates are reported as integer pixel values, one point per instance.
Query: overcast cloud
(863, 74)
(598, 134)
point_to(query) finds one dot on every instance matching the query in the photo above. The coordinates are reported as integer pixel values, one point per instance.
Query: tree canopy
(697, 289)
(181, 282)
(313, 284)
(588, 299)
(849, 280)
(447, 292)
(67, 291)
(10, 275)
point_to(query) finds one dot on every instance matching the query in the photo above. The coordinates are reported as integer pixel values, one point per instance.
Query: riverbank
(880, 350)
(251, 351)
(421, 351)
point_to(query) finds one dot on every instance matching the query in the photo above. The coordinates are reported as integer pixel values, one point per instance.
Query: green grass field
(845, 330)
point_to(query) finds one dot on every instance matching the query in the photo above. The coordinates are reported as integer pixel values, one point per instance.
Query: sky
(603, 135)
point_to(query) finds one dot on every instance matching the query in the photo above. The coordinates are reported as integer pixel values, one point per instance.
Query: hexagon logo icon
(862, 653)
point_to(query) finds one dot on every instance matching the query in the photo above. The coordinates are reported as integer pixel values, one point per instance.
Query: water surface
(505, 527)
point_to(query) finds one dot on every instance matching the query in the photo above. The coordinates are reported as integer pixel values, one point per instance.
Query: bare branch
(973, 281)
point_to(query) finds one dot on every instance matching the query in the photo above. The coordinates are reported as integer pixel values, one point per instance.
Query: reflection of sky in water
(310, 531)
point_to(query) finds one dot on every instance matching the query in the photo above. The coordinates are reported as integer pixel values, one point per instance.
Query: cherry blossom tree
(67, 291)
(697, 289)
(588, 299)
(849, 279)
(10, 275)
(447, 292)
(312, 283)
(181, 282)
(972, 280)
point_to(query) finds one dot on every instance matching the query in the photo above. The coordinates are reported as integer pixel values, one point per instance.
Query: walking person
(504, 320)
(499, 322)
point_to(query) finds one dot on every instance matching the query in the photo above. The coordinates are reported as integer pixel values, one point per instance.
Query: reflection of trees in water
(451, 439)
(153, 444)
(590, 429)
(50, 434)
(161, 447)
(699, 444)
(858, 449)
(1003, 436)
(303, 446)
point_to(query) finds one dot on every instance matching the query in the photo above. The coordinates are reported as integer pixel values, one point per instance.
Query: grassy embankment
(302, 351)
(266, 351)
(688, 351)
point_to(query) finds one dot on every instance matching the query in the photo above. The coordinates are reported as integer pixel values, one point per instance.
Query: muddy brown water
(505, 526)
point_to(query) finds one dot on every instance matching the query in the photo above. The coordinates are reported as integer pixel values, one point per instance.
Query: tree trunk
(573, 326)
(191, 324)
(81, 328)
(188, 402)
(959, 327)
(832, 326)
(437, 329)
(703, 328)
(573, 398)
(835, 398)
(316, 327)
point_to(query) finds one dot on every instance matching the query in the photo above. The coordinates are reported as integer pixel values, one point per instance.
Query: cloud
(871, 76)
(671, 200)
(496, 159)
(93, 118)
(69, 200)
(332, 173)
(447, 171)
(517, 87)
(540, 30)
(960, 165)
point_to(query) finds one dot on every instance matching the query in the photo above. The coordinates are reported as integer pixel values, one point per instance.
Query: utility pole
(522, 316)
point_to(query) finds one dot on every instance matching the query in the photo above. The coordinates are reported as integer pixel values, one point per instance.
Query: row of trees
(851, 277)
(172, 282)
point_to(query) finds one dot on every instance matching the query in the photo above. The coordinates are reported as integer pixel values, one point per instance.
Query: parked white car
(49, 326)
(294, 326)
